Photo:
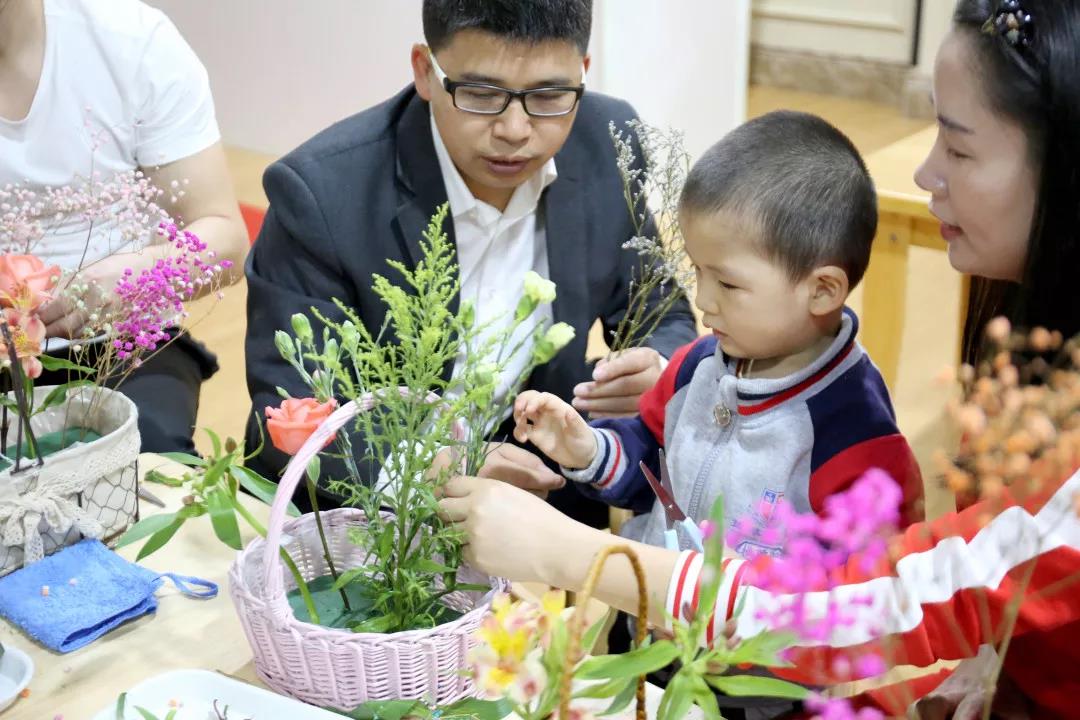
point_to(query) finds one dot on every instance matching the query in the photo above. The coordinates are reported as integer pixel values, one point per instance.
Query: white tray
(196, 691)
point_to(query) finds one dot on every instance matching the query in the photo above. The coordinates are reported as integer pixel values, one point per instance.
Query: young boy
(779, 401)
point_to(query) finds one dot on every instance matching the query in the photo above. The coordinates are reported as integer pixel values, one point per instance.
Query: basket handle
(273, 578)
(577, 624)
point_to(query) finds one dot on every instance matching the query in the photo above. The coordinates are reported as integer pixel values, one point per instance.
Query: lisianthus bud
(302, 329)
(538, 289)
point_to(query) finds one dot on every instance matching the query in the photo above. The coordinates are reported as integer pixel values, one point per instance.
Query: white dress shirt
(495, 250)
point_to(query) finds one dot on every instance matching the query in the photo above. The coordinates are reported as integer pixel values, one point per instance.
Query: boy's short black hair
(520, 20)
(804, 184)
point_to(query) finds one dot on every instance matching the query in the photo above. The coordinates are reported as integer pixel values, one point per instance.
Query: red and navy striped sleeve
(614, 477)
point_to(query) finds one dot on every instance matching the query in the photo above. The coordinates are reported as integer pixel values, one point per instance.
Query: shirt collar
(526, 197)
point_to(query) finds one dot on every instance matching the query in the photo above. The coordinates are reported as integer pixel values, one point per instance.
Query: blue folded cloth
(78, 594)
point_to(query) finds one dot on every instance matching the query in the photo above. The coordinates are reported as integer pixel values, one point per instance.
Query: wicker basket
(338, 668)
(87, 490)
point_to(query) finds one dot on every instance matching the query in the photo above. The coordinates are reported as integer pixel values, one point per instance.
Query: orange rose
(293, 423)
(25, 282)
(27, 332)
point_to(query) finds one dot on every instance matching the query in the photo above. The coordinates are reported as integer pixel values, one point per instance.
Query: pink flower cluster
(816, 550)
(155, 299)
(839, 709)
(126, 203)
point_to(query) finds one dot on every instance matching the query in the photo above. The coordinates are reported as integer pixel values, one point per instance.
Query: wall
(283, 69)
(875, 30)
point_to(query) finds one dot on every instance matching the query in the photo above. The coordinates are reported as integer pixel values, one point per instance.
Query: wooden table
(184, 633)
(904, 221)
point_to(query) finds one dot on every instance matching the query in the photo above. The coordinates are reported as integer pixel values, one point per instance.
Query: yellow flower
(553, 603)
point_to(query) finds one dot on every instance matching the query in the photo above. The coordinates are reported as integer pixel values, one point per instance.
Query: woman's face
(979, 171)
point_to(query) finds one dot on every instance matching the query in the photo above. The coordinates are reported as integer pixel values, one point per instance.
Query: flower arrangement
(419, 426)
(118, 325)
(521, 653)
(663, 275)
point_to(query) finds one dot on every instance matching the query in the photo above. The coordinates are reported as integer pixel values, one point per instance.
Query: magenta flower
(155, 299)
(815, 552)
(839, 709)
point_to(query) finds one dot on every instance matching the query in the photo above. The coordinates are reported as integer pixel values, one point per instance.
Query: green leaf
(472, 587)
(147, 715)
(191, 511)
(259, 486)
(386, 542)
(714, 557)
(555, 655)
(623, 699)
(223, 518)
(754, 686)
(373, 625)
(51, 362)
(478, 709)
(704, 697)
(349, 576)
(641, 661)
(145, 527)
(762, 649)
(677, 699)
(158, 539)
(156, 476)
(184, 459)
(606, 689)
(389, 710)
(58, 395)
(215, 472)
(171, 715)
(588, 640)
(215, 441)
(120, 703)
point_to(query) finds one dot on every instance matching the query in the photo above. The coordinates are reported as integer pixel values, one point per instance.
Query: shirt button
(722, 415)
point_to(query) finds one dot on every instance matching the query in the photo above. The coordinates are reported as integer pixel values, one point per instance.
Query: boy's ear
(828, 288)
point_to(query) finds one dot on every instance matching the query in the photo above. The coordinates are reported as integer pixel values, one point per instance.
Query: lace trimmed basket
(330, 667)
(86, 490)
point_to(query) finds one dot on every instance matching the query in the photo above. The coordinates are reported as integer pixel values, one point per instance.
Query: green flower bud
(559, 335)
(302, 329)
(284, 343)
(350, 336)
(467, 314)
(538, 289)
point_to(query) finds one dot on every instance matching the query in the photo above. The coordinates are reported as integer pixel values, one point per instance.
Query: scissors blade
(150, 497)
(667, 500)
(665, 481)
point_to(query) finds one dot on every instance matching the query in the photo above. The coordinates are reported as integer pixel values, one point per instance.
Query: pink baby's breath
(154, 299)
(816, 549)
(839, 709)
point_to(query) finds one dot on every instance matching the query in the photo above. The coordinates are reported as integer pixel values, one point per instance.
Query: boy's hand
(555, 428)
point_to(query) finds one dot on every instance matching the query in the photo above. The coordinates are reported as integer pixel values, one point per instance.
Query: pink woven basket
(338, 668)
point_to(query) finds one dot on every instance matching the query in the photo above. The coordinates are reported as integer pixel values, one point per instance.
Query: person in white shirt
(111, 85)
(498, 123)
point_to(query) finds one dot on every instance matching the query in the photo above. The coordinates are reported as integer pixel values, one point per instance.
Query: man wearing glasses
(498, 123)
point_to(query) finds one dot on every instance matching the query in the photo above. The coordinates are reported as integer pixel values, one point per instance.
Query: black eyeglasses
(484, 99)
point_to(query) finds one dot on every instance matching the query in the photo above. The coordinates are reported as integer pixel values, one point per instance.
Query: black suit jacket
(361, 193)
